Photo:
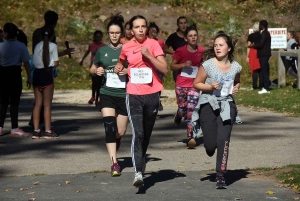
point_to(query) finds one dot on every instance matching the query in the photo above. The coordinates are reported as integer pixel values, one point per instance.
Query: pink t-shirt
(93, 47)
(131, 51)
(161, 43)
(181, 55)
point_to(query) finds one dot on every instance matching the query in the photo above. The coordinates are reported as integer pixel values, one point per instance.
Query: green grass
(291, 177)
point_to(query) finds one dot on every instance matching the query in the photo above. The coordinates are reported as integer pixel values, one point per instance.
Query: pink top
(93, 47)
(131, 51)
(161, 43)
(181, 55)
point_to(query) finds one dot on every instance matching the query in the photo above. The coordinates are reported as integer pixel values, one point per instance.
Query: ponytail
(47, 33)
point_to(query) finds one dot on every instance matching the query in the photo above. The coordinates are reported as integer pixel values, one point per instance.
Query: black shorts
(118, 103)
(42, 77)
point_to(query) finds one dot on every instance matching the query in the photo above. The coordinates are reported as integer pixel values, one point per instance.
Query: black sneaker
(220, 182)
(177, 119)
(118, 144)
(36, 134)
(50, 135)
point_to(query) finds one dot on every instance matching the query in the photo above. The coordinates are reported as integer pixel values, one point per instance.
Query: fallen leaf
(67, 182)
(59, 184)
(79, 191)
(7, 190)
(36, 183)
(23, 189)
(103, 183)
(270, 192)
(180, 166)
(31, 193)
(297, 198)
(237, 198)
(31, 199)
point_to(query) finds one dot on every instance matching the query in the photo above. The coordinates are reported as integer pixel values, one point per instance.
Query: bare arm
(177, 66)
(56, 63)
(248, 51)
(66, 52)
(237, 84)
(27, 68)
(167, 49)
(84, 56)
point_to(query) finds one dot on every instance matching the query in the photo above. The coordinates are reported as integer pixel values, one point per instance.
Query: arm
(120, 66)
(167, 49)
(87, 52)
(261, 42)
(66, 52)
(27, 68)
(248, 51)
(176, 66)
(200, 79)
(237, 84)
(159, 62)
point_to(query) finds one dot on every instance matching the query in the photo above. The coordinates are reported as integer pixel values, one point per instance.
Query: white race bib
(190, 71)
(115, 81)
(225, 90)
(141, 75)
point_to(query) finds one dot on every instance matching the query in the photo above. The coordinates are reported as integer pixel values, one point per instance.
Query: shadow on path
(126, 162)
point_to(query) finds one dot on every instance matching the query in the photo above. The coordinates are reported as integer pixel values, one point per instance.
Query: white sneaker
(17, 132)
(138, 180)
(263, 91)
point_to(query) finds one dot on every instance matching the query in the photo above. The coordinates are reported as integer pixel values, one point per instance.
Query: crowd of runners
(127, 79)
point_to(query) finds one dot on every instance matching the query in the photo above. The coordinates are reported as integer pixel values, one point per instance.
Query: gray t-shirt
(214, 74)
(13, 53)
(289, 47)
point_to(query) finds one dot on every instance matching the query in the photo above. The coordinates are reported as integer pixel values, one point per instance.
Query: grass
(291, 177)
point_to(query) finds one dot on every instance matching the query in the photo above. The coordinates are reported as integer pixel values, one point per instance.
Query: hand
(247, 60)
(145, 52)
(28, 82)
(187, 64)
(81, 63)
(235, 90)
(100, 71)
(123, 72)
(69, 51)
(215, 86)
(118, 68)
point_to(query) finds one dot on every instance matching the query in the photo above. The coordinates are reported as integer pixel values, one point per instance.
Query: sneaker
(220, 182)
(115, 170)
(160, 108)
(144, 165)
(50, 135)
(17, 132)
(263, 91)
(36, 134)
(138, 180)
(96, 103)
(91, 101)
(1, 131)
(118, 144)
(191, 143)
(177, 119)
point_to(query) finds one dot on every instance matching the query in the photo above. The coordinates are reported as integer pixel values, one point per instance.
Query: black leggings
(216, 133)
(10, 93)
(142, 111)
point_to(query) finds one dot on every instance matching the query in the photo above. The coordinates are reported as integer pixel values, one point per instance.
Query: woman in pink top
(96, 80)
(145, 58)
(186, 60)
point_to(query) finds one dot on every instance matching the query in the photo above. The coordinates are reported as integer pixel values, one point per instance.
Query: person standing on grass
(145, 58)
(153, 31)
(252, 59)
(96, 80)
(113, 92)
(288, 61)
(187, 60)
(44, 59)
(12, 54)
(219, 79)
(127, 34)
(176, 40)
(50, 18)
(263, 47)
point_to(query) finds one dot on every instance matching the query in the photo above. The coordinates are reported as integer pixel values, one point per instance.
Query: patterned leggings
(187, 99)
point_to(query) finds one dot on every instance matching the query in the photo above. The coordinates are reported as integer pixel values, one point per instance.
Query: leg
(98, 86)
(208, 122)
(15, 96)
(265, 71)
(47, 103)
(122, 122)
(181, 96)
(37, 107)
(254, 79)
(4, 98)
(192, 100)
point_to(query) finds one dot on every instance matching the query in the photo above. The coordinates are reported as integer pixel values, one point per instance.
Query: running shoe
(97, 103)
(191, 143)
(36, 134)
(138, 180)
(17, 132)
(238, 121)
(220, 182)
(118, 144)
(160, 108)
(115, 170)
(91, 101)
(50, 135)
(177, 119)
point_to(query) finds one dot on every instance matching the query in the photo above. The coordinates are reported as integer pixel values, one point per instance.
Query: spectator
(127, 34)
(290, 68)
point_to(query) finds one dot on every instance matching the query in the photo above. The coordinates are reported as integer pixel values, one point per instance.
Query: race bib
(115, 81)
(141, 75)
(225, 90)
(190, 71)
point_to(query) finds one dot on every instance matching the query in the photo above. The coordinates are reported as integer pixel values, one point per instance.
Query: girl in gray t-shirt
(218, 78)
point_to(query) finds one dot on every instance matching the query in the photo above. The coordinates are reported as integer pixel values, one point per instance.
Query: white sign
(141, 75)
(189, 71)
(278, 37)
(115, 81)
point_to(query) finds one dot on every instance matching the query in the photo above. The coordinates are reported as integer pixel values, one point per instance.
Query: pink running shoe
(17, 132)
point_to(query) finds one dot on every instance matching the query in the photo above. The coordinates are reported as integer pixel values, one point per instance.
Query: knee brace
(110, 125)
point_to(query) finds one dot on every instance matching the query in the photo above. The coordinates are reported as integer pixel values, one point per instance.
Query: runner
(176, 40)
(113, 92)
(218, 78)
(187, 60)
(127, 34)
(96, 80)
(153, 31)
(12, 55)
(44, 59)
(145, 58)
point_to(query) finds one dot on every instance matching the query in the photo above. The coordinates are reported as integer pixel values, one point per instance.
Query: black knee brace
(110, 125)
